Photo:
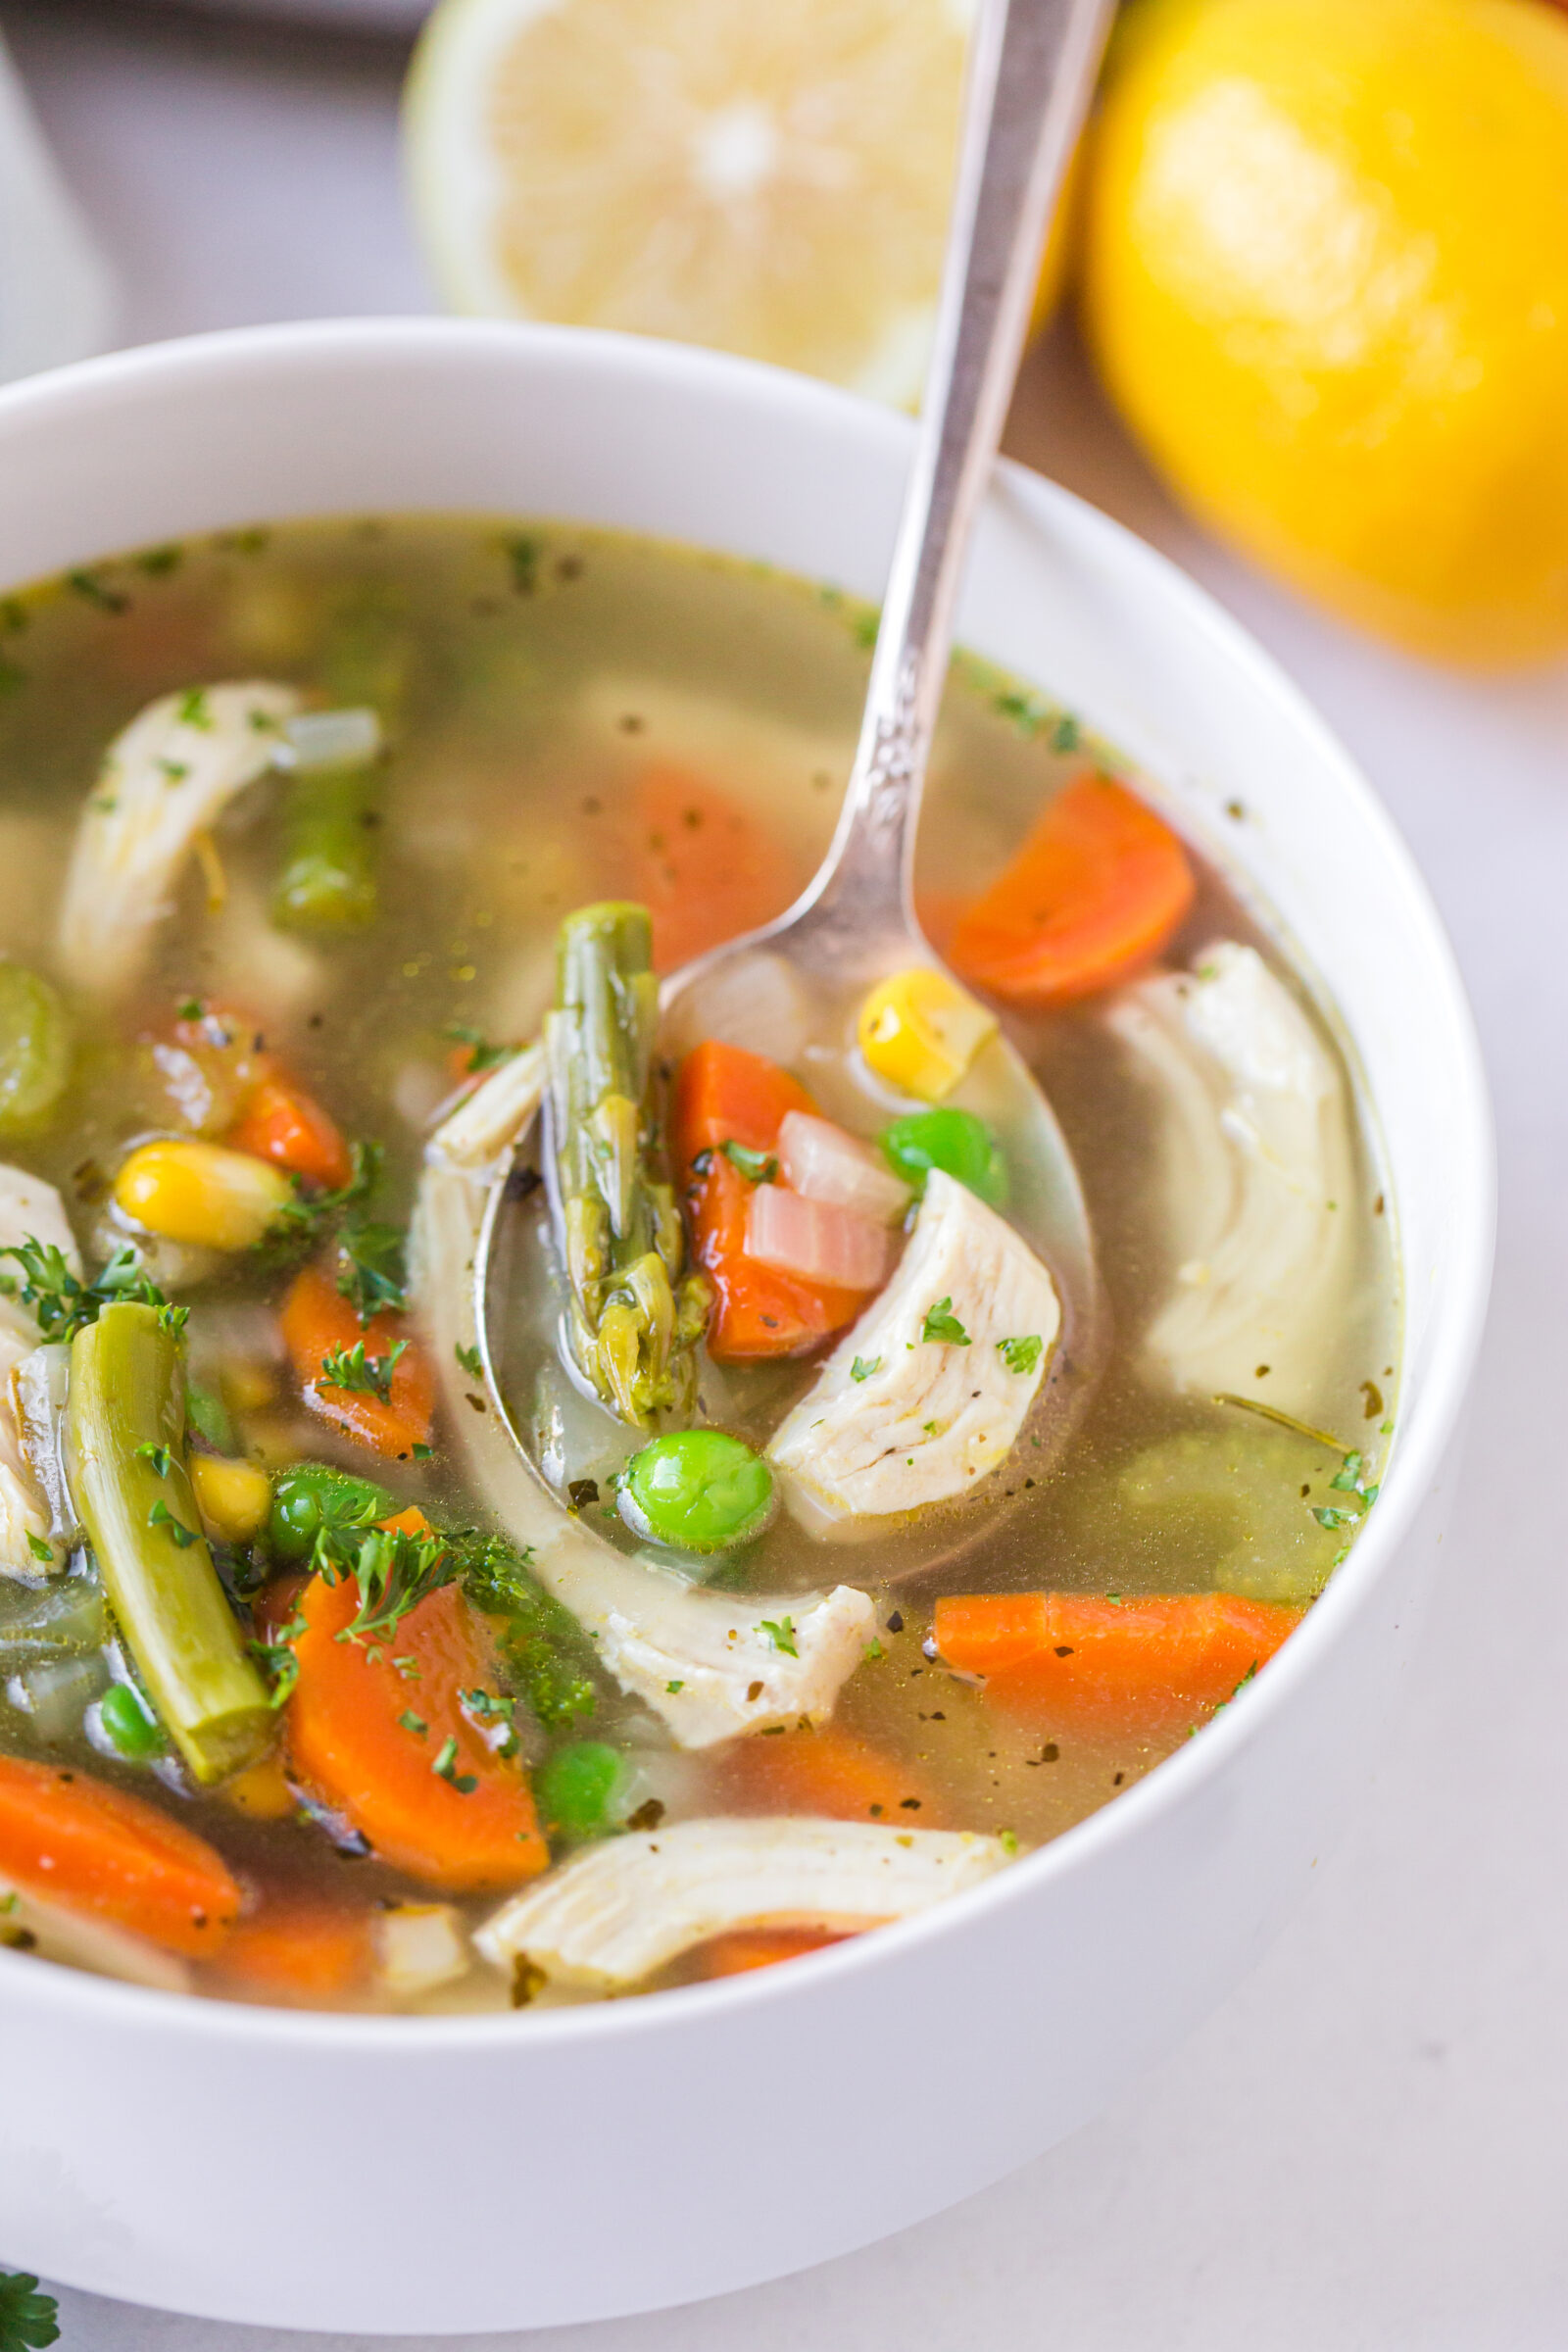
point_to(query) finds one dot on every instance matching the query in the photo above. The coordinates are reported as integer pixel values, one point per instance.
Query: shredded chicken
(29, 1209)
(620, 1910)
(1257, 1179)
(704, 1661)
(480, 1133)
(419, 1947)
(896, 1419)
(164, 781)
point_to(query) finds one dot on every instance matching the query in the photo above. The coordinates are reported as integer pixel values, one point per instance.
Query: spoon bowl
(804, 976)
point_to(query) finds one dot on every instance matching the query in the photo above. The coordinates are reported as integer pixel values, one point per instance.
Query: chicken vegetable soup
(798, 1541)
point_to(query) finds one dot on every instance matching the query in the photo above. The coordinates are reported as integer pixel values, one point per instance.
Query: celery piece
(125, 1456)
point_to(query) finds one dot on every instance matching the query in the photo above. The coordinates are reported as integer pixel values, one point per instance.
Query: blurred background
(1304, 326)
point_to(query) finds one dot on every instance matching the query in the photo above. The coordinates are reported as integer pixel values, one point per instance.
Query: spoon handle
(1031, 69)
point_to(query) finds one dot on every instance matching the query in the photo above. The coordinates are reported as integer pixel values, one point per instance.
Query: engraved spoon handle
(1032, 66)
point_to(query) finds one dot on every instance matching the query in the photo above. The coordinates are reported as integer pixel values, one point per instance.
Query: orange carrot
(297, 1944)
(282, 1123)
(743, 1948)
(368, 1725)
(1096, 890)
(83, 1843)
(318, 1320)
(1047, 1657)
(725, 1095)
(703, 867)
(831, 1773)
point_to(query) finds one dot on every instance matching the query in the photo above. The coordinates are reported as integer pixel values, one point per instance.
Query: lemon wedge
(771, 179)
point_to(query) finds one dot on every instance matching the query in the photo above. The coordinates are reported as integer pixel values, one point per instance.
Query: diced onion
(827, 1163)
(816, 1239)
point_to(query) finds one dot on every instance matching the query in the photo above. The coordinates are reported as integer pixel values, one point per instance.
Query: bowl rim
(1457, 1324)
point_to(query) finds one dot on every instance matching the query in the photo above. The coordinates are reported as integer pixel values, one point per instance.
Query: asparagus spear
(332, 810)
(635, 1317)
(125, 1454)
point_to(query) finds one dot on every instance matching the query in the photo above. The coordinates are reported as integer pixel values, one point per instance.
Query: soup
(804, 1542)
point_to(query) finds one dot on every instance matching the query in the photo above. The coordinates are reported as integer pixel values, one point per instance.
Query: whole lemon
(1326, 282)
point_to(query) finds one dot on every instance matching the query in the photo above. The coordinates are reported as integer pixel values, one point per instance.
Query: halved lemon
(765, 176)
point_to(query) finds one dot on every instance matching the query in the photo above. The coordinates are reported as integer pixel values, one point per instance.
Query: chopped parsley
(483, 1055)
(757, 1167)
(1022, 1354)
(194, 709)
(159, 1456)
(278, 1662)
(394, 1571)
(407, 1720)
(162, 1516)
(42, 1553)
(546, 1656)
(942, 1325)
(371, 1268)
(445, 1768)
(365, 1375)
(673, 1688)
(470, 1361)
(781, 1635)
(863, 1366)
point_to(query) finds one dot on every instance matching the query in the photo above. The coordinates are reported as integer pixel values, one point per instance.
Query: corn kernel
(234, 1497)
(920, 1031)
(202, 1193)
(263, 1790)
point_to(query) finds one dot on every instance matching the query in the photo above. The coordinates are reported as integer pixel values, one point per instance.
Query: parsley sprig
(365, 1375)
(29, 2319)
(942, 1325)
(64, 1305)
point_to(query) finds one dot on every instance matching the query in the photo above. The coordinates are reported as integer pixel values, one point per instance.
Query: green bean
(125, 1456)
(34, 1050)
(635, 1317)
(700, 1490)
(331, 813)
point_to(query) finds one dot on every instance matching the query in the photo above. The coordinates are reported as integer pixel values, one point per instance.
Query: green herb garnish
(757, 1167)
(863, 1366)
(27, 2318)
(162, 1516)
(445, 1768)
(1021, 1355)
(942, 1325)
(470, 1361)
(365, 1375)
(65, 1305)
(781, 1635)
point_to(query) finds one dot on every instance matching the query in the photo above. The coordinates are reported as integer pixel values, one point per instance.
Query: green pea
(311, 1496)
(34, 1049)
(576, 1789)
(129, 1723)
(954, 1141)
(699, 1490)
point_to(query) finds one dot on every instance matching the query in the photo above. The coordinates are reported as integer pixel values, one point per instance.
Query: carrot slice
(726, 1095)
(356, 1741)
(316, 1320)
(703, 869)
(743, 1948)
(297, 1944)
(72, 1840)
(282, 1123)
(1096, 890)
(829, 1772)
(1048, 1656)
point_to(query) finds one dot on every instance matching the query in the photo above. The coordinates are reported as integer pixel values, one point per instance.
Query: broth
(568, 716)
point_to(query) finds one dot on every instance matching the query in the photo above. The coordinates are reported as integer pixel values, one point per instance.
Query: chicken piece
(619, 1910)
(30, 1210)
(419, 1947)
(929, 1390)
(1257, 1179)
(704, 1661)
(476, 1137)
(165, 779)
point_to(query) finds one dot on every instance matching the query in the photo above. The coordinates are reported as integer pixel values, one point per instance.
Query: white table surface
(1362, 2151)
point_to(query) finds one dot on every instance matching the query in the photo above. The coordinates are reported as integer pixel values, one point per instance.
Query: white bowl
(434, 2176)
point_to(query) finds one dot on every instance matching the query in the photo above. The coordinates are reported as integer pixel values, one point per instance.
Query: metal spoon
(1032, 66)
